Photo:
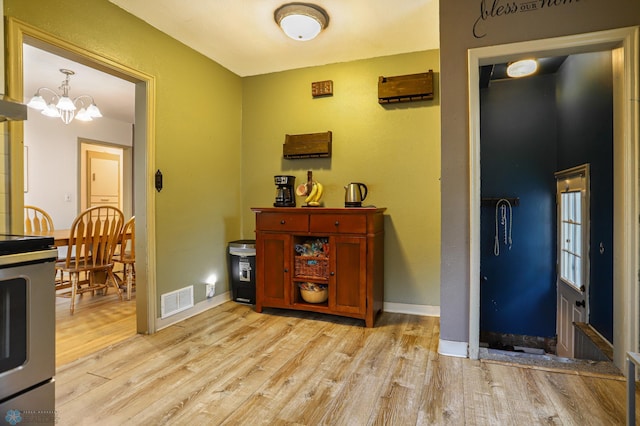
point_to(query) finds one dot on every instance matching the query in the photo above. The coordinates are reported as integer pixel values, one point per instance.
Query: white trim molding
(405, 308)
(451, 348)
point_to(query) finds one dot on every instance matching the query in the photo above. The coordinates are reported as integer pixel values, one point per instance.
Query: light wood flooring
(230, 365)
(98, 321)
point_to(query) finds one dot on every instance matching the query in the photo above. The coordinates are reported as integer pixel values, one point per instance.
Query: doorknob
(581, 303)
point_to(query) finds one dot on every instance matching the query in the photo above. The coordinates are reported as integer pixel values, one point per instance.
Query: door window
(573, 219)
(571, 248)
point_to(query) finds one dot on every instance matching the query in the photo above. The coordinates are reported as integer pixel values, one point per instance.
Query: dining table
(61, 239)
(60, 236)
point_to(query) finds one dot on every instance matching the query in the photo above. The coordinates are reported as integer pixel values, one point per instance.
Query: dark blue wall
(585, 123)
(518, 159)
(531, 128)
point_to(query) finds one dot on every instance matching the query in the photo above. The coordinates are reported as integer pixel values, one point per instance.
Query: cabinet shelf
(302, 278)
(318, 307)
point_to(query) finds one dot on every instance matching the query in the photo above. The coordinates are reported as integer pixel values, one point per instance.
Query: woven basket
(311, 266)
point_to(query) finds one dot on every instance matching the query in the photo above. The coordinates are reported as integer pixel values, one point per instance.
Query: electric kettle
(353, 196)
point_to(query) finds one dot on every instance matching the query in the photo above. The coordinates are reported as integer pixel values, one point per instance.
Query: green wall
(219, 143)
(198, 132)
(394, 150)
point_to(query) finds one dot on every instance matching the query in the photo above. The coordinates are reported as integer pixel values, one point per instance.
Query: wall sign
(322, 88)
(490, 9)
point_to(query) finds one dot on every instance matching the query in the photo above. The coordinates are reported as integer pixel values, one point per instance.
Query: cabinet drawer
(338, 223)
(282, 222)
(96, 199)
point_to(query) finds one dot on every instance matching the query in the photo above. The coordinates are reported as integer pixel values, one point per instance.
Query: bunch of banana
(314, 196)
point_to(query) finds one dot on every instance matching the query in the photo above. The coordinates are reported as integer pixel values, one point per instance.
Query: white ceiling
(243, 37)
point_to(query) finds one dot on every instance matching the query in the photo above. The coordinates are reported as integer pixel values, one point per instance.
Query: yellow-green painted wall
(219, 143)
(394, 150)
(198, 132)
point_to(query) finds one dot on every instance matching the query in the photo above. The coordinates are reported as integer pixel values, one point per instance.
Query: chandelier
(61, 105)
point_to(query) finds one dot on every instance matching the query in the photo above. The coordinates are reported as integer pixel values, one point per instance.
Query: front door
(572, 279)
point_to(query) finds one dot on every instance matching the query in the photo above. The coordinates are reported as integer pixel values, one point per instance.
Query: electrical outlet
(210, 290)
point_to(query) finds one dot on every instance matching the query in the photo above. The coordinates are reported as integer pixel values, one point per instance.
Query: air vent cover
(176, 301)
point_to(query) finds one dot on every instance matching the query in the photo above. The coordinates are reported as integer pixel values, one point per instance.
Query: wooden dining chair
(93, 237)
(36, 221)
(126, 255)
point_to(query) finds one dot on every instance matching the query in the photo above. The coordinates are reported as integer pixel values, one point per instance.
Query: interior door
(103, 178)
(572, 277)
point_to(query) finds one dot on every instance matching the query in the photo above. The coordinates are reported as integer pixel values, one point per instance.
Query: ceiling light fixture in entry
(522, 68)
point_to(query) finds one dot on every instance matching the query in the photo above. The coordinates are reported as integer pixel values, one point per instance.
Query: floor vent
(176, 301)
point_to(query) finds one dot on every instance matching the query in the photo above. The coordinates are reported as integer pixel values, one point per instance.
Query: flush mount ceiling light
(522, 68)
(301, 21)
(61, 105)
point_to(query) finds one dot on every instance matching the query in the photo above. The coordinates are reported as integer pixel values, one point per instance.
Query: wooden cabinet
(350, 266)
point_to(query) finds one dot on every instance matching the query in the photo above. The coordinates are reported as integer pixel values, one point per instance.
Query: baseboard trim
(198, 308)
(451, 348)
(399, 308)
(405, 308)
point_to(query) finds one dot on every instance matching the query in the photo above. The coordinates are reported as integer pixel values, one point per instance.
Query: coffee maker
(285, 191)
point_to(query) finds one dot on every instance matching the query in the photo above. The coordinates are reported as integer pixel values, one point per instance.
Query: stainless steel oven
(27, 330)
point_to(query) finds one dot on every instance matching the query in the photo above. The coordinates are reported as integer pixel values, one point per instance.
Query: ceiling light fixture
(61, 105)
(522, 68)
(301, 21)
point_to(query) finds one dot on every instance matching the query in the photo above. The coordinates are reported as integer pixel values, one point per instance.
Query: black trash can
(242, 265)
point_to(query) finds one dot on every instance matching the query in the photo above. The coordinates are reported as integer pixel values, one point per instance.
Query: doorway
(622, 44)
(143, 154)
(105, 175)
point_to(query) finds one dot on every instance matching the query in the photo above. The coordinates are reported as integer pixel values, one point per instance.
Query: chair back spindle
(37, 221)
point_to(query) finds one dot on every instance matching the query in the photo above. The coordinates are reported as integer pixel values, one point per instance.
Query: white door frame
(624, 45)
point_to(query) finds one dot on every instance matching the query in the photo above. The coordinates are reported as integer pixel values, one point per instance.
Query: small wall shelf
(405, 88)
(491, 202)
(309, 145)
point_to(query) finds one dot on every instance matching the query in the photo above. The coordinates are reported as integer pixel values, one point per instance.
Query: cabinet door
(348, 275)
(273, 278)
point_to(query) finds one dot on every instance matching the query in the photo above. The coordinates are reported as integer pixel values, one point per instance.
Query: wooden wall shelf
(309, 145)
(405, 88)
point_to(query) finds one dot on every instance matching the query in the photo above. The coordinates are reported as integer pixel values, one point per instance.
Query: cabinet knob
(337, 223)
(332, 273)
(282, 222)
(286, 270)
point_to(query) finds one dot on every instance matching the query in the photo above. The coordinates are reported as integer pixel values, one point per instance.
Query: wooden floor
(98, 321)
(233, 366)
